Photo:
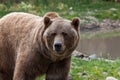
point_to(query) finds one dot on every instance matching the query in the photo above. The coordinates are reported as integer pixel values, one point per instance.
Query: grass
(66, 8)
(94, 69)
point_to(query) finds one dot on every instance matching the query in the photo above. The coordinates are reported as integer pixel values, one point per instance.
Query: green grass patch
(66, 8)
(2, 13)
(109, 14)
(94, 69)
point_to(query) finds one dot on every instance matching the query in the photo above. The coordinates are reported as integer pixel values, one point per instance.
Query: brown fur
(52, 15)
(26, 46)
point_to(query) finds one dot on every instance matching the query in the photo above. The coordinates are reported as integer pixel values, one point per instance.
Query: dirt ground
(105, 25)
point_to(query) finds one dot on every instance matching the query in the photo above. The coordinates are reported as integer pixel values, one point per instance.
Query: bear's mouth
(58, 48)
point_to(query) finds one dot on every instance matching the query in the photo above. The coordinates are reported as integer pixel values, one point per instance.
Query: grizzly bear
(31, 46)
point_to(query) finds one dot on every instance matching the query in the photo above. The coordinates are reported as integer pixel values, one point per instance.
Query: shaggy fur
(27, 46)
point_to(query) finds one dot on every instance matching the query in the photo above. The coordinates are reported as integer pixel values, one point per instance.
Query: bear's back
(17, 20)
(14, 27)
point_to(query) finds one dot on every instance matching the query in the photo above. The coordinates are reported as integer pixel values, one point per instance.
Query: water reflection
(105, 47)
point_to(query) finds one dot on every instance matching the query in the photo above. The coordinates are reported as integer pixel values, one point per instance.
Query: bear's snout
(58, 47)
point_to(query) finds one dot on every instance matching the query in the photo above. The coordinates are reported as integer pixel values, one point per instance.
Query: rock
(93, 56)
(89, 27)
(84, 74)
(111, 78)
(70, 78)
(110, 24)
(83, 56)
(79, 54)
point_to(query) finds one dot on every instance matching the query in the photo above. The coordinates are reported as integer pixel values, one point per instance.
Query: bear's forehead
(61, 23)
(60, 27)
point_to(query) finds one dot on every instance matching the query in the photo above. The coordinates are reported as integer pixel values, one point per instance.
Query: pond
(103, 47)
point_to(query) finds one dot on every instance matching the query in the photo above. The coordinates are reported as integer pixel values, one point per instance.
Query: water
(103, 47)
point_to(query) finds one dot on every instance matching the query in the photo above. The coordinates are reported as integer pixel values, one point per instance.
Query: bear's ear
(47, 21)
(76, 23)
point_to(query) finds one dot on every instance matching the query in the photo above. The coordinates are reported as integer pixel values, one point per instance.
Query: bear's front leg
(19, 73)
(23, 68)
(59, 70)
(1, 76)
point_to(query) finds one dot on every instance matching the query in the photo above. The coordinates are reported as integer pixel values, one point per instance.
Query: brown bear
(31, 46)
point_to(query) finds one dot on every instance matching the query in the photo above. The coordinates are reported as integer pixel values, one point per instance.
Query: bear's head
(61, 36)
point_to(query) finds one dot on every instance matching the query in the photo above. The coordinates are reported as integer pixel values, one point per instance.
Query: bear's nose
(58, 46)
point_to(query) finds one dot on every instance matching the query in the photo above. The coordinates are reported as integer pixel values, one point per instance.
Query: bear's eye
(64, 34)
(53, 34)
